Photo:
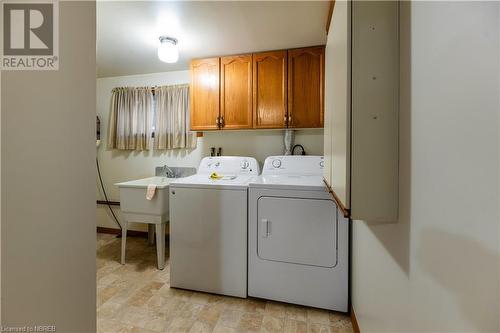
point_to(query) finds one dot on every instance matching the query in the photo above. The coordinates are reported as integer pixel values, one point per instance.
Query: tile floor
(137, 297)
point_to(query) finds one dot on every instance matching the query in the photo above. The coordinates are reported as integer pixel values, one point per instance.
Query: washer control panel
(229, 165)
(294, 165)
(245, 164)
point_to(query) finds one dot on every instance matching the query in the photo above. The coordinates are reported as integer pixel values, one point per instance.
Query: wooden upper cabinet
(275, 89)
(270, 89)
(204, 94)
(236, 92)
(306, 87)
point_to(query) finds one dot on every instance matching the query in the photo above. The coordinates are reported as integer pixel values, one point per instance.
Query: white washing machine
(208, 227)
(297, 238)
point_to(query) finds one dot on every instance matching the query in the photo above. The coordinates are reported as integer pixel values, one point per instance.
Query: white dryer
(208, 226)
(297, 238)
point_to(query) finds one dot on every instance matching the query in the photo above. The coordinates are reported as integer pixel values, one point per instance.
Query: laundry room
(323, 166)
(179, 95)
(223, 196)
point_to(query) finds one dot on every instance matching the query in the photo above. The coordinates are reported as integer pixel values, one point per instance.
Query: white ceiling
(128, 31)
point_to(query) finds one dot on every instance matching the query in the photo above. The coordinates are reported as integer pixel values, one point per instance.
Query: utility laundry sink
(133, 200)
(136, 208)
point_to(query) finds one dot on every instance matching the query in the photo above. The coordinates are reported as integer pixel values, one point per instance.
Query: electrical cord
(106, 196)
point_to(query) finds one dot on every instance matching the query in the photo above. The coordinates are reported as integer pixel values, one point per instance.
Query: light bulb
(168, 51)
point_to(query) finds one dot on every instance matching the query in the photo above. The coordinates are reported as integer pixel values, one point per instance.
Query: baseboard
(355, 326)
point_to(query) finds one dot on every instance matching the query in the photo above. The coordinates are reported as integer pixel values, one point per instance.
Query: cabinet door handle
(222, 121)
(217, 121)
(285, 120)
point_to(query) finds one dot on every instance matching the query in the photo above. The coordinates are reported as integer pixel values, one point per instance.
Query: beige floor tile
(223, 329)
(134, 315)
(201, 327)
(125, 290)
(275, 309)
(173, 292)
(106, 293)
(143, 295)
(137, 297)
(180, 324)
(318, 316)
(200, 298)
(296, 312)
(346, 329)
(107, 279)
(318, 328)
(134, 329)
(339, 319)
(108, 268)
(109, 311)
(250, 322)
(214, 299)
(211, 313)
(272, 325)
(190, 310)
(235, 303)
(168, 307)
(295, 326)
(255, 305)
(110, 326)
(157, 324)
(162, 276)
(230, 318)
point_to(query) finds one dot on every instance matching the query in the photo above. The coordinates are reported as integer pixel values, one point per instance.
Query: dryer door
(297, 230)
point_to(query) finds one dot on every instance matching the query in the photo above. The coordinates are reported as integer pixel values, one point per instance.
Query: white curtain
(172, 118)
(131, 118)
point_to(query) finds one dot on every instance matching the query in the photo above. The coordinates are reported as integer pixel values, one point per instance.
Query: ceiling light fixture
(168, 51)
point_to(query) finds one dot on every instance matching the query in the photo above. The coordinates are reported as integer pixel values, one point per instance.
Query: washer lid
(204, 181)
(290, 182)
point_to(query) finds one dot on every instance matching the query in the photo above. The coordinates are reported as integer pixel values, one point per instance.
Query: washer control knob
(244, 164)
(322, 164)
(276, 163)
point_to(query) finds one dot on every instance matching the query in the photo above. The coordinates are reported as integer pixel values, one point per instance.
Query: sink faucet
(168, 172)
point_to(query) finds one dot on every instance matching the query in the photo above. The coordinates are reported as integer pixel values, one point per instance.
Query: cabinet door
(306, 87)
(375, 109)
(204, 94)
(236, 92)
(338, 105)
(270, 89)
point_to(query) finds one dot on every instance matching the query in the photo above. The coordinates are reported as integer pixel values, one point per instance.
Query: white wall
(48, 198)
(438, 268)
(1, 40)
(117, 166)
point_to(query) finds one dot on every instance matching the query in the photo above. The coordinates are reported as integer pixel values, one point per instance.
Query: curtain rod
(153, 88)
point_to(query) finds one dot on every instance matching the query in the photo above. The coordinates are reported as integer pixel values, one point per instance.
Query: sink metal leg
(124, 241)
(160, 244)
(151, 233)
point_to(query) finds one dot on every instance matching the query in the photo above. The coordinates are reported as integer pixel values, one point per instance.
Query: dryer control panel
(294, 165)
